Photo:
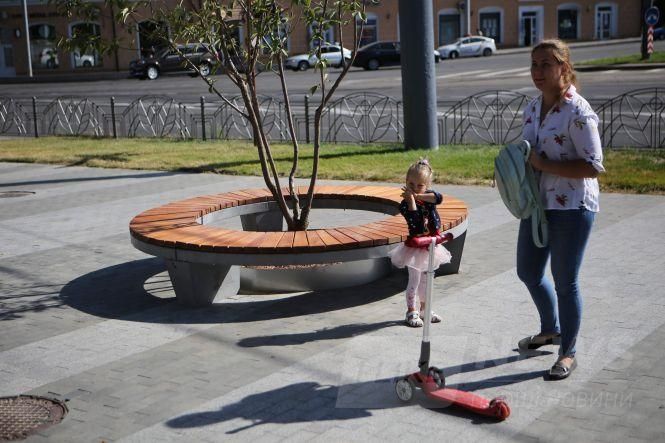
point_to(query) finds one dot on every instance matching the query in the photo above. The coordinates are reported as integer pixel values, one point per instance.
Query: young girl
(419, 210)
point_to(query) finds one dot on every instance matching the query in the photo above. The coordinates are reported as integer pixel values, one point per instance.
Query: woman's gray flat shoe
(560, 371)
(536, 341)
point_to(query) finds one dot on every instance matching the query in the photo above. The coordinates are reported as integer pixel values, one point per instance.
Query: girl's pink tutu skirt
(417, 258)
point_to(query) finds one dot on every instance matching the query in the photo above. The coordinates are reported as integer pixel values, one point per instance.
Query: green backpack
(518, 188)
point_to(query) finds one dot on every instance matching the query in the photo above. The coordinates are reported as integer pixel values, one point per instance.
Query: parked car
(378, 54)
(330, 52)
(659, 34)
(168, 60)
(471, 46)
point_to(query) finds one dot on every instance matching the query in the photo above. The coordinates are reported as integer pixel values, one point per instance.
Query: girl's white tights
(416, 288)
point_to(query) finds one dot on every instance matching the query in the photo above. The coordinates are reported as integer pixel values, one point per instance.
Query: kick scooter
(431, 379)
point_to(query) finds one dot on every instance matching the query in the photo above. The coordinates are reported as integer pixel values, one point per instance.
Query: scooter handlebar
(423, 242)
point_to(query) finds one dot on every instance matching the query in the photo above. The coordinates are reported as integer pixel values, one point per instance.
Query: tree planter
(204, 260)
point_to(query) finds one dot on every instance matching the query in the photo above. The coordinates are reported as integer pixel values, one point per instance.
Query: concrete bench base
(314, 278)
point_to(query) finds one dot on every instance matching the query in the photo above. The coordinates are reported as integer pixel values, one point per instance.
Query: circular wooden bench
(203, 260)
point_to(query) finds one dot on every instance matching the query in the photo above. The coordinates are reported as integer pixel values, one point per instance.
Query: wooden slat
(300, 240)
(330, 241)
(315, 242)
(362, 240)
(344, 240)
(377, 238)
(390, 236)
(287, 240)
(271, 240)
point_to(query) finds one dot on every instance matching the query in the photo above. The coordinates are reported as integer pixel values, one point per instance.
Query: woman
(566, 154)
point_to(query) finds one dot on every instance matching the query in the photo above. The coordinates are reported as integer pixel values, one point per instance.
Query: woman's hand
(535, 160)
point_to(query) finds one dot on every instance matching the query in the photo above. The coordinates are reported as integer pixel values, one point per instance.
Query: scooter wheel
(404, 389)
(500, 408)
(438, 377)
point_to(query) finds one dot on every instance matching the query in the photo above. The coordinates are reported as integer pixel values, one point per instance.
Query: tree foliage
(266, 26)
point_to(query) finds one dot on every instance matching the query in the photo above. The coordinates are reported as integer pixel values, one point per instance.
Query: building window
(85, 58)
(449, 28)
(567, 24)
(370, 30)
(490, 25)
(43, 46)
(152, 37)
(328, 35)
(606, 17)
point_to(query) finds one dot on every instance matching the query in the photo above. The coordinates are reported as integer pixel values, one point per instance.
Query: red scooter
(430, 379)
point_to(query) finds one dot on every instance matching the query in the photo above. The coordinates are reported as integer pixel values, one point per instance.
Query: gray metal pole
(27, 35)
(418, 74)
(467, 9)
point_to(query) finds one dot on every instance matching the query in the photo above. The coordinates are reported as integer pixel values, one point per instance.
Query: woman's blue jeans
(560, 308)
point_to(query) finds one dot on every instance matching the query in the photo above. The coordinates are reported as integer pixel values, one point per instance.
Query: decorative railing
(155, 116)
(69, 115)
(636, 118)
(12, 117)
(363, 118)
(227, 123)
(493, 117)
(633, 119)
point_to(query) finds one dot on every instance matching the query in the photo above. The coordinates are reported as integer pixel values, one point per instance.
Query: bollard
(34, 115)
(306, 119)
(115, 135)
(203, 118)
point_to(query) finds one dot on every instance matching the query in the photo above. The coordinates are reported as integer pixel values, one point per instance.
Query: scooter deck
(497, 407)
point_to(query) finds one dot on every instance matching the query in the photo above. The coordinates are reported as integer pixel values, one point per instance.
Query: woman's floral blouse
(568, 132)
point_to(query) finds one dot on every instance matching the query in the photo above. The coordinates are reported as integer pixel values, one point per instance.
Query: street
(456, 80)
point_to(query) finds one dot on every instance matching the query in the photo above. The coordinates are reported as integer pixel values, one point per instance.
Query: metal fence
(633, 119)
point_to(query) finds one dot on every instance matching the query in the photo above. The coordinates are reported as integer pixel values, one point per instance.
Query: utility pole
(27, 36)
(643, 26)
(467, 9)
(418, 74)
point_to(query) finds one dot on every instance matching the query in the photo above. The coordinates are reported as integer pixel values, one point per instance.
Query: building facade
(511, 23)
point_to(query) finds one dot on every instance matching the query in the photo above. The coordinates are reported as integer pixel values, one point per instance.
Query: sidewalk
(88, 318)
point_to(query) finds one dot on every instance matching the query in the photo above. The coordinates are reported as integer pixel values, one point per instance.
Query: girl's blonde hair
(422, 168)
(561, 53)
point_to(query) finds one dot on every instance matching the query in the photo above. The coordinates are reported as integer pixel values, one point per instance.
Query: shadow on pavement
(87, 179)
(222, 166)
(343, 331)
(312, 402)
(120, 292)
(288, 404)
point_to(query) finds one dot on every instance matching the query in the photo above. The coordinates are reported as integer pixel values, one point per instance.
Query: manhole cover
(23, 415)
(9, 194)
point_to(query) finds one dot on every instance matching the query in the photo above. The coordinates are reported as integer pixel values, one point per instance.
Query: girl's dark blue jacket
(424, 211)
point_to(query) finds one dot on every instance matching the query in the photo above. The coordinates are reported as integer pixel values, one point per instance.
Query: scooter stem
(423, 363)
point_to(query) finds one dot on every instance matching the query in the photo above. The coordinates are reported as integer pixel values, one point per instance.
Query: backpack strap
(538, 218)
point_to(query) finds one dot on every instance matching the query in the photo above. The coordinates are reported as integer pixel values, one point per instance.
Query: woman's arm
(569, 168)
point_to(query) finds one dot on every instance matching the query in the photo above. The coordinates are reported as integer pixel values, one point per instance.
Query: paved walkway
(86, 317)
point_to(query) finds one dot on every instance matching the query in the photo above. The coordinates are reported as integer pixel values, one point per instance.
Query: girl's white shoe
(413, 319)
(436, 318)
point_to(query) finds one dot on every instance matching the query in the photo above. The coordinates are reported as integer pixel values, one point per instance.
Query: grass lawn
(638, 171)
(656, 57)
